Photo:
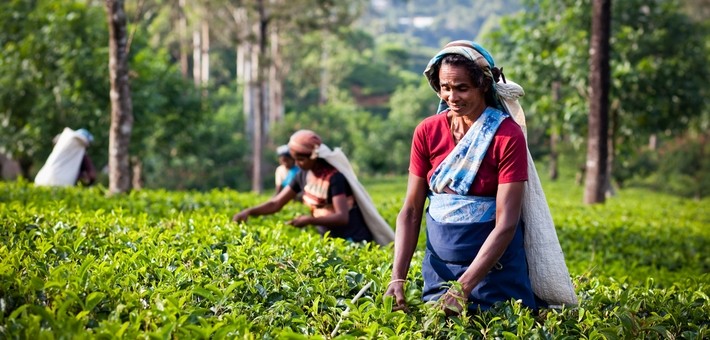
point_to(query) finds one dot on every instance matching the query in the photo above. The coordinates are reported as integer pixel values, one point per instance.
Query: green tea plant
(76, 263)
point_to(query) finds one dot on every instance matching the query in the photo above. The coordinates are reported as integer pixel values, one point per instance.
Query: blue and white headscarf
(472, 51)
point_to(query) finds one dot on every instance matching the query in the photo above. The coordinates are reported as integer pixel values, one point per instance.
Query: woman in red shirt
(470, 161)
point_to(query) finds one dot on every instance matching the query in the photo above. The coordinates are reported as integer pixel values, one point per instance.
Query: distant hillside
(433, 25)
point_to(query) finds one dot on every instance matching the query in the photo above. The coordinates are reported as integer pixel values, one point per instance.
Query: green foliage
(359, 85)
(605, 240)
(217, 154)
(77, 263)
(659, 64)
(683, 167)
(56, 75)
(339, 122)
(51, 53)
(659, 74)
(361, 69)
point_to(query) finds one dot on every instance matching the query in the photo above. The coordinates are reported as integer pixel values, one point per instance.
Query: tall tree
(196, 57)
(49, 78)
(257, 184)
(659, 65)
(276, 79)
(182, 37)
(599, 75)
(120, 94)
(205, 51)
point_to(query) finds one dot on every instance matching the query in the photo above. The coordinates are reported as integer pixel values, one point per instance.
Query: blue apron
(450, 249)
(458, 225)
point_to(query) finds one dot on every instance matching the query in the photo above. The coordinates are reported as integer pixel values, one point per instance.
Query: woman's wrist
(402, 281)
(466, 287)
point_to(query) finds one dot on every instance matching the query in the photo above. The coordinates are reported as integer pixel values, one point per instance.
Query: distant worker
(339, 204)
(287, 168)
(68, 164)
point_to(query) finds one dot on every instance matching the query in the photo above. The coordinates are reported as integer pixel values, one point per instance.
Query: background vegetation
(77, 263)
(166, 261)
(356, 79)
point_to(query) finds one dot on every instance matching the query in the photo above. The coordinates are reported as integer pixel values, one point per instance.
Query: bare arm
(409, 222)
(339, 218)
(267, 208)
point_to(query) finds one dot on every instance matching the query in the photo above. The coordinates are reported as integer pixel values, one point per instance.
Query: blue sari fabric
(290, 175)
(450, 249)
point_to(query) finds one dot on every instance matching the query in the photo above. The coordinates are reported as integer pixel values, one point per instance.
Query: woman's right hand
(241, 216)
(396, 290)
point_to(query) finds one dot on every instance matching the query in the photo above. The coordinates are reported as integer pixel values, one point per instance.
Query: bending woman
(470, 161)
(339, 205)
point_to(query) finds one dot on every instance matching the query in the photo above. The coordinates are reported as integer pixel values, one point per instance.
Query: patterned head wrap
(471, 51)
(305, 142)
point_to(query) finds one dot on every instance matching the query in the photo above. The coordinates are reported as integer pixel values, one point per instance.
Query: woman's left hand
(453, 302)
(300, 221)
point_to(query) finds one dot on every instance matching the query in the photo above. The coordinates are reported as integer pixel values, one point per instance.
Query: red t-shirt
(505, 161)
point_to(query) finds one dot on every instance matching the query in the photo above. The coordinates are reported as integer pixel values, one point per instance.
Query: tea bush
(75, 263)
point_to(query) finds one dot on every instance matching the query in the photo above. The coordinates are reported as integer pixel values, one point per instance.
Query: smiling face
(458, 91)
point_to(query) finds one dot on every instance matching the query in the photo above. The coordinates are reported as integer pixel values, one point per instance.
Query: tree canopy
(350, 70)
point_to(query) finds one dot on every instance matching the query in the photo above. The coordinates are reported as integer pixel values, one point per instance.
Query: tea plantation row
(76, 264)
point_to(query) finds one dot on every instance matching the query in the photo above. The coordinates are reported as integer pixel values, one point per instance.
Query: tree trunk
(258, 121)
(137, 173)
(120, 94)
(554, 133)
(260, 107)
(554, 155)
(609, 190)
(196, 58)
(247, 83)
(244, 69)
(205, 53)
(599, 77)
(652, 142)
(276, 106)
(182, 37)
(9, 168)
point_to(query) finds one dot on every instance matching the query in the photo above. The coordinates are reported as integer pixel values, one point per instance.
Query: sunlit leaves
(76, 263)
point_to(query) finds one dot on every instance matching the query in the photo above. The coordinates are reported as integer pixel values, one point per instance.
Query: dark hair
(475, 73)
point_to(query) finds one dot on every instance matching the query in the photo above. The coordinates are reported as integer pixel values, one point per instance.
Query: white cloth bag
(547, 269)
(62, 165)
(377, 225)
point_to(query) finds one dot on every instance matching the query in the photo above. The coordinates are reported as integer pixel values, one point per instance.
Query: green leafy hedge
(75, 263)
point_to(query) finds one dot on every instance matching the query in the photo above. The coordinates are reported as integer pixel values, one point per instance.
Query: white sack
(62, 165)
